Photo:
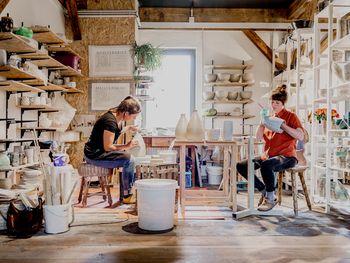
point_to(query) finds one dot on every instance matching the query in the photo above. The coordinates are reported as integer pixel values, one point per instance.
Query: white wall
(31, 12)
(224, 47)
(36, 12)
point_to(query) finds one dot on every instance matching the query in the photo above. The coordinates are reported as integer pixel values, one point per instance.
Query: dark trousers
(268, 168)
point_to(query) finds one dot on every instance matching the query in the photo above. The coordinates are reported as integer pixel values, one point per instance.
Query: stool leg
(86, 191)
(101, 179)
(121, 188)
(307, 198)
(108, 191)
(280, 182)
(295, 194)
(81, 189)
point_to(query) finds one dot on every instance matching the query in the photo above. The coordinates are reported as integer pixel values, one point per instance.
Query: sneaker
(267, 205)
(131, 199)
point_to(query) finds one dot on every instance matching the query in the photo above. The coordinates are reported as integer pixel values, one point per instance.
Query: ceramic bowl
(220, 94)
(246, 94)
(208, 95)
(224, 77)
(235, 77)
(232, 95)
(210, 77)
(246, 77)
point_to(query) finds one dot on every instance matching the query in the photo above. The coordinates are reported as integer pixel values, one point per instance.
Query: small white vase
(195, 129)
(181, 127)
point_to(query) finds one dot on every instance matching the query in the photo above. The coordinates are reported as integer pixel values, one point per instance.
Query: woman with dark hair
(280, 149)
(102, 150)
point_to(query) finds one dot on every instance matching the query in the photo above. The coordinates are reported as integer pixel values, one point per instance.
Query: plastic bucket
(214, 174)
(169, 156)
(56, 218)
(155, 203)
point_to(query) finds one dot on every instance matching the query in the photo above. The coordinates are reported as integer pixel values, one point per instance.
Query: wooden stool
(87, 172)
(299, 170)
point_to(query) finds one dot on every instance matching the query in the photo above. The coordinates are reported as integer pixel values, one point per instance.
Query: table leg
(233, 175)
(182, 178)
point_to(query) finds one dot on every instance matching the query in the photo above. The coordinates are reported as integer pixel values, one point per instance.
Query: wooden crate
(162, 171)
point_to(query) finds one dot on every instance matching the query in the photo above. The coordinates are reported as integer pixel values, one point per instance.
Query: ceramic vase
(181, 128)
(195, 129)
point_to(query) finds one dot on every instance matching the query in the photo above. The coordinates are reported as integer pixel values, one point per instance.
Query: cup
(60, 159)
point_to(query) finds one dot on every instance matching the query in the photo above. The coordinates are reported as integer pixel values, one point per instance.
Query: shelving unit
(333, 137)
(20, 81)
(229, 68)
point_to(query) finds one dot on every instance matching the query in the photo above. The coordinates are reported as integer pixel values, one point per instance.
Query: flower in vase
(321, 114)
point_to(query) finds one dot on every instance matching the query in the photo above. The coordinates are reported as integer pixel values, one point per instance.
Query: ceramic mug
(60, 159)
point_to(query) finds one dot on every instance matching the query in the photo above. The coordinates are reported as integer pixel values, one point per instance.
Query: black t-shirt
(94, 146)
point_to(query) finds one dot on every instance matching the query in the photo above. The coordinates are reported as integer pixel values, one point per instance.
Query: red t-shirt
(282, 143)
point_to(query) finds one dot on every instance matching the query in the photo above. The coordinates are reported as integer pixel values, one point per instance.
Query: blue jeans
(268, 168)
(127, 177)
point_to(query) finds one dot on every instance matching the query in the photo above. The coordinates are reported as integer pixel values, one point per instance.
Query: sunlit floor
(97, 235)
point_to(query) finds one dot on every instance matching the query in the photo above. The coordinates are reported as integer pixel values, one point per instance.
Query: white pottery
(247, 77)
(232, 95)
(210, 77)
(195, 130)
(220, 94)
(224, 77)
(208, 95)
(247, 94)
(181, 128)
(235, 77)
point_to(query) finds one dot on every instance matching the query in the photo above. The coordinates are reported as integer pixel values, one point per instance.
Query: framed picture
(104, 95)
(110, 61)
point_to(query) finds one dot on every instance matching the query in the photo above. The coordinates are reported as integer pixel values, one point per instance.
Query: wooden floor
(97, 236)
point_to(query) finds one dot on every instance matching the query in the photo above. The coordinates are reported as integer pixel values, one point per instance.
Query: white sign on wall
(106, 95)
(110, 61)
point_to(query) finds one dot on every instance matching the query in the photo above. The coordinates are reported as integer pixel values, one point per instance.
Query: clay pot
(195, 129)
(181, 128)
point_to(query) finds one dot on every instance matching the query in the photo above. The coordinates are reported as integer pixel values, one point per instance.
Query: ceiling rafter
(302, 9)
(72, 11)
(3, 4)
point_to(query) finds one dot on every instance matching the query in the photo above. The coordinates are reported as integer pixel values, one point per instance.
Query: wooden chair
(298, 170)
(87, 172)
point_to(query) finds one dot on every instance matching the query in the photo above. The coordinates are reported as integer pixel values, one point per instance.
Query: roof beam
(265, 49)
(3, 4)
(302, 9)
(218, 15)
(72, 10)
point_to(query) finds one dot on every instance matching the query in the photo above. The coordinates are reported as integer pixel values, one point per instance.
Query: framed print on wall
(110, 61)
(104, 95)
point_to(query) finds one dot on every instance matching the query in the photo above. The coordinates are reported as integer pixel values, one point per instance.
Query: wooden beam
(223, 15)
(72, 10)
(82, 4)
(302, 9)
(3, 4)
(265, 49)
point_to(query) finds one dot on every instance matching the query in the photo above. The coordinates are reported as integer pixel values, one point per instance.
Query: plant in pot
(147, 56)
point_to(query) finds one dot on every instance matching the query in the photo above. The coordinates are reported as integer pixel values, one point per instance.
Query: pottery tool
(172, 144)
(71, 192)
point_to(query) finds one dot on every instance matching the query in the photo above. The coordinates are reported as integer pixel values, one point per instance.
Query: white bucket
(214, 174)
(56, 218)
(155, 203)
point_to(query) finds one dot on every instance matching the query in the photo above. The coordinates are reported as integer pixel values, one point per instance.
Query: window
(173, 89)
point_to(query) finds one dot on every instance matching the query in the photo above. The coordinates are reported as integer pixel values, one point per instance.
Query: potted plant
(147, 56)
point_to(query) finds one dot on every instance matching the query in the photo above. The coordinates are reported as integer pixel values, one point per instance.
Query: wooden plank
(15, 86)
(62, 49)
(3, 4)
(265, 49)
(229, 66)
(13, 43)
(46, 36)
(72, 10)
(148, 14)
(43, 60)
(11, 72)
(302, 9)
(70, 72)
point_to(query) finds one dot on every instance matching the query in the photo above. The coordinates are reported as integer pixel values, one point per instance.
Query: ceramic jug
(181, 127)
(6, 23)
(195, 129)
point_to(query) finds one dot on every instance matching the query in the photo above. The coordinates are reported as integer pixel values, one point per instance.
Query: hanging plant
(148, 56)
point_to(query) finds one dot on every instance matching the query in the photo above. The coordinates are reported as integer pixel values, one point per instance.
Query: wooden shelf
(31, 107)
(11, 72)
(71, 90)
(342, 85)
(228, 101)
(46, 36)
(62, 49)
(229, 67)
(15, 86)
(70, 72)
(230, 117)
(20, 167)
(14, 43)
(16, 140)
(229, 84)
(43, 60)
(51, 87)
(37, 128)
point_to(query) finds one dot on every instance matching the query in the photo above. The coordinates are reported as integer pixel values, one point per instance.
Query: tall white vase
(195, 129)
(181, 127)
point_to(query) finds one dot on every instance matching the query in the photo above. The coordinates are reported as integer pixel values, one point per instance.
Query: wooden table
(229, 169)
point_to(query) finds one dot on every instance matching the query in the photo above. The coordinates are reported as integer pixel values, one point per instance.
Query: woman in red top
(280, 149)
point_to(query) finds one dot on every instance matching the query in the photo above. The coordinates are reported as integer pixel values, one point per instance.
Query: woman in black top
(102, 150)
